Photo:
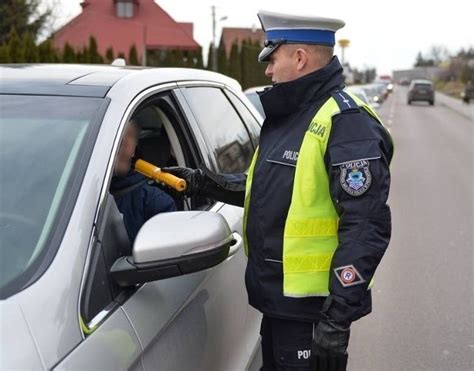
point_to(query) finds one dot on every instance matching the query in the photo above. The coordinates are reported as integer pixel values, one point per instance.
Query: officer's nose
(269, 70)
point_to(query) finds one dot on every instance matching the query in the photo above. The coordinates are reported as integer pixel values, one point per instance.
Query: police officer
(316, 219)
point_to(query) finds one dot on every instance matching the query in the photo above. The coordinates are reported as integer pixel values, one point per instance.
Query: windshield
(423, 86)
(40, 139)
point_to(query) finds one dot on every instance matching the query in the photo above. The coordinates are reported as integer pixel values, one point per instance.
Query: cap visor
(266, 52)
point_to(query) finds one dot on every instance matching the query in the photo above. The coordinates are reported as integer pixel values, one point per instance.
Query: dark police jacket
(138, 201)
(365, 222)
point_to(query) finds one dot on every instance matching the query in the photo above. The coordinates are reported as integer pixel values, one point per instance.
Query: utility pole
(144, 61)
(214, 49)
(214, 39)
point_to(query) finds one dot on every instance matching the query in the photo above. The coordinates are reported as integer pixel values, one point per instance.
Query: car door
(147, 326)
(230, 145)
(197, 321)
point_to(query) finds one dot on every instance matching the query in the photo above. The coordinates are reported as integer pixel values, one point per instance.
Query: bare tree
(439, 54)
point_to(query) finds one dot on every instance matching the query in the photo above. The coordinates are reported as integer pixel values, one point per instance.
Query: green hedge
(241, 64)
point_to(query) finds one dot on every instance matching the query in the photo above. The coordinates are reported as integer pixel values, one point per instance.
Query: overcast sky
(383, 34)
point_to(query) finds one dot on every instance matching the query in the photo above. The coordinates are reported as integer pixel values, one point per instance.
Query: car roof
(355, 87)
(90, 80)
(256, 89)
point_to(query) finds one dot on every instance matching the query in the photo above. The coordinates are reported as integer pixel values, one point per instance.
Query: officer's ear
(301, 59)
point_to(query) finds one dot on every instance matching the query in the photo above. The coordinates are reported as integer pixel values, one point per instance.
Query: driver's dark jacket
(365, 222)
(142, 202)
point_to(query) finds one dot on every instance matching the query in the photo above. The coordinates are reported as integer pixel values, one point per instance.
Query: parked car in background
(74, 293)
(382, 91)
(421, 90)
(372, 95)
(387, 81)
(468, 93)
(252, 95)
(358, 91)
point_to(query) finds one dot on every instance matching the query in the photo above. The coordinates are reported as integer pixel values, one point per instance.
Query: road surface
(423, 315)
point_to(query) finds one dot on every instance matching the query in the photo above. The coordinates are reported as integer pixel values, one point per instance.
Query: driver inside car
(137, 200)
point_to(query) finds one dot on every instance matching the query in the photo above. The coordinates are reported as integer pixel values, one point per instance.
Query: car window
(222, 128)
(424, 86)
(159, 142)
(250, 121)
(41, 140)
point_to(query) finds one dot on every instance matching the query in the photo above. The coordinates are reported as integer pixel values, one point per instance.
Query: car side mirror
(174, 244)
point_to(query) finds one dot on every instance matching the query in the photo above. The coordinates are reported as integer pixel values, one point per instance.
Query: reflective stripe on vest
(248, 186)
(311, 228)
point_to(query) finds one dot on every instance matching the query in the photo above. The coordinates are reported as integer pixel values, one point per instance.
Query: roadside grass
(451, 88)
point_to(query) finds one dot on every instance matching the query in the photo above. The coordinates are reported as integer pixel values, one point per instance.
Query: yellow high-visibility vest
(311, 228)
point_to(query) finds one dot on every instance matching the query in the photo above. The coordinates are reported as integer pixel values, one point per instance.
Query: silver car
(254, 97)
(359, 92)
(74, 293)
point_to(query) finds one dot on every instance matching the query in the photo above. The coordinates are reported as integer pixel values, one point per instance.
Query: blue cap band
(303, 36)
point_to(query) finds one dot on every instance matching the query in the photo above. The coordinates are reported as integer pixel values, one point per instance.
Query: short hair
(323, 53)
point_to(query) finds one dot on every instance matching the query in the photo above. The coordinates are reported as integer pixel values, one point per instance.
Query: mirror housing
(174, 244)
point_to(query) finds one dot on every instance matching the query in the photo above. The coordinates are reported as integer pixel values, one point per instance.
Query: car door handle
(238, 243)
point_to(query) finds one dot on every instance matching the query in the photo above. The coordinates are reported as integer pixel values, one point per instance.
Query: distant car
(382, 90)
(387, 81)
(254, 98)
(468, 93)
(404, 82)
(421, 90)
(75, 294)
(372, 94)
(359, 92)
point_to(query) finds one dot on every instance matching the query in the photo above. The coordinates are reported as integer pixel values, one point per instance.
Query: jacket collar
(285, 98)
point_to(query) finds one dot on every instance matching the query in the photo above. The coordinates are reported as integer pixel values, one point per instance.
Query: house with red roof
(232, 35)
(120, 24)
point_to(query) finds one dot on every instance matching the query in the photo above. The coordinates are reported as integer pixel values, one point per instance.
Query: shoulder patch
(355, 177)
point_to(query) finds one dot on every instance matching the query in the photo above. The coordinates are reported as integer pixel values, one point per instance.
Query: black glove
(194, 178)
(203, 182)
(329, 347)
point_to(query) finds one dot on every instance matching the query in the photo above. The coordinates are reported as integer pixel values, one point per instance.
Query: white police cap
(294, 29)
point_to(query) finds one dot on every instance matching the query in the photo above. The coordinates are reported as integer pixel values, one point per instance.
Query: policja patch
(355, 177)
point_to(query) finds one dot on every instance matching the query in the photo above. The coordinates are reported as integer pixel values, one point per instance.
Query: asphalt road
(423, 315)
